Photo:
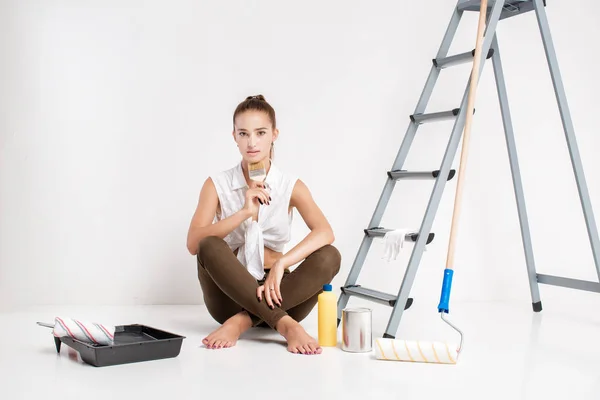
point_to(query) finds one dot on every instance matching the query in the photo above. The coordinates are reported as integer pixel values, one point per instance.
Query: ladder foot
(338, 322)
(537, 307)
(388, 336)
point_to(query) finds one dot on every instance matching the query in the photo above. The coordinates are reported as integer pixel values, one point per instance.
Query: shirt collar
(238, 180)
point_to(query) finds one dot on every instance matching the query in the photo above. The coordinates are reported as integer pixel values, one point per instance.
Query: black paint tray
(132, 343)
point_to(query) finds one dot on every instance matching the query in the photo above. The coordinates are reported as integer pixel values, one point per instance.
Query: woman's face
(253, 134)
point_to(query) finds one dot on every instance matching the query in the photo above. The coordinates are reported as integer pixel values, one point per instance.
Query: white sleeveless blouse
(273, 228)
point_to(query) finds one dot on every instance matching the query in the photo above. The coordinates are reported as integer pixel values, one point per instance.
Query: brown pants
(228, 288)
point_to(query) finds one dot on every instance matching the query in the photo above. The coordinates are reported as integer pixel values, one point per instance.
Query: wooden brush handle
(467, 134)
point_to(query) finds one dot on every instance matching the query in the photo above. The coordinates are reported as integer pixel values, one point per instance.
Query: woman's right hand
(255, 195)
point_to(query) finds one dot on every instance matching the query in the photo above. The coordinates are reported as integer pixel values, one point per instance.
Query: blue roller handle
(446, 287)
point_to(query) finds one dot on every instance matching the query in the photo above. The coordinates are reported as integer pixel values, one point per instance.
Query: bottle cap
(327, 288)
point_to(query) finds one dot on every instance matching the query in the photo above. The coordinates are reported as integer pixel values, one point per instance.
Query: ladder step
(458, 59)
(402, 174)
(380, 232)
(474, 5)
(373, 295)
(511, 8)
(436, 116)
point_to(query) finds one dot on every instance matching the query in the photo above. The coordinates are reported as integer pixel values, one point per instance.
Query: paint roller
(442, 352)
(424, 351)
(85, 331)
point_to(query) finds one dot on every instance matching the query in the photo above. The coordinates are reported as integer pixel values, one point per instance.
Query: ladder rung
(458, 59)
(432, 117)
(511, 8)
(373, 295)
(475, 5)
(380, 232)
(396, 175)
(437, 116)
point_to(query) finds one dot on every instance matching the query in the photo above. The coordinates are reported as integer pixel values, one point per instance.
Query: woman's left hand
(270, 288)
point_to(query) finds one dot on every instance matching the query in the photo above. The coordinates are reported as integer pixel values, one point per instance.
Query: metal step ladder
(497, 10)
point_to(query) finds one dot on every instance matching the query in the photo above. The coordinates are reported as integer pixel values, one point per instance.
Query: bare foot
(228, 333)
(298, 340)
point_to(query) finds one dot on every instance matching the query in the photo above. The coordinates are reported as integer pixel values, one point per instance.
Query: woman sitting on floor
(238, 233)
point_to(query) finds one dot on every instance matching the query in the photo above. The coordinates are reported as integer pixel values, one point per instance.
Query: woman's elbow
(328, 236)
(192, 246)
(192, 249)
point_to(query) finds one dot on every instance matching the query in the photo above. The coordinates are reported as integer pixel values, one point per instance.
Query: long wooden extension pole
(467, 134)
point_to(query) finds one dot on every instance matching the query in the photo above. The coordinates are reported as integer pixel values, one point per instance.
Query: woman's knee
(209, 248)
(329, 259)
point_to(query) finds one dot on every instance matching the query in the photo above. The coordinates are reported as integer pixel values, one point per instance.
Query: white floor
(510, 353)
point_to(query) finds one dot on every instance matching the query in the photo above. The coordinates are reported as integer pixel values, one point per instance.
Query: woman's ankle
(241, 319)
(284, 324)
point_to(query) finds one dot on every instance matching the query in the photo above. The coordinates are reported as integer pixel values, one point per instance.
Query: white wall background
(112, 114)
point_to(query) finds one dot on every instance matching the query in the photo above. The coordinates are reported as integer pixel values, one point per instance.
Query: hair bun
(257, 97)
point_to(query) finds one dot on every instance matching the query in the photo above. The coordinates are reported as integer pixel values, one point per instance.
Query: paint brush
(257, 171)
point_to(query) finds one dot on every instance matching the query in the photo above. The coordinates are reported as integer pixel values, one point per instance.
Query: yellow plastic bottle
(327, 308)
